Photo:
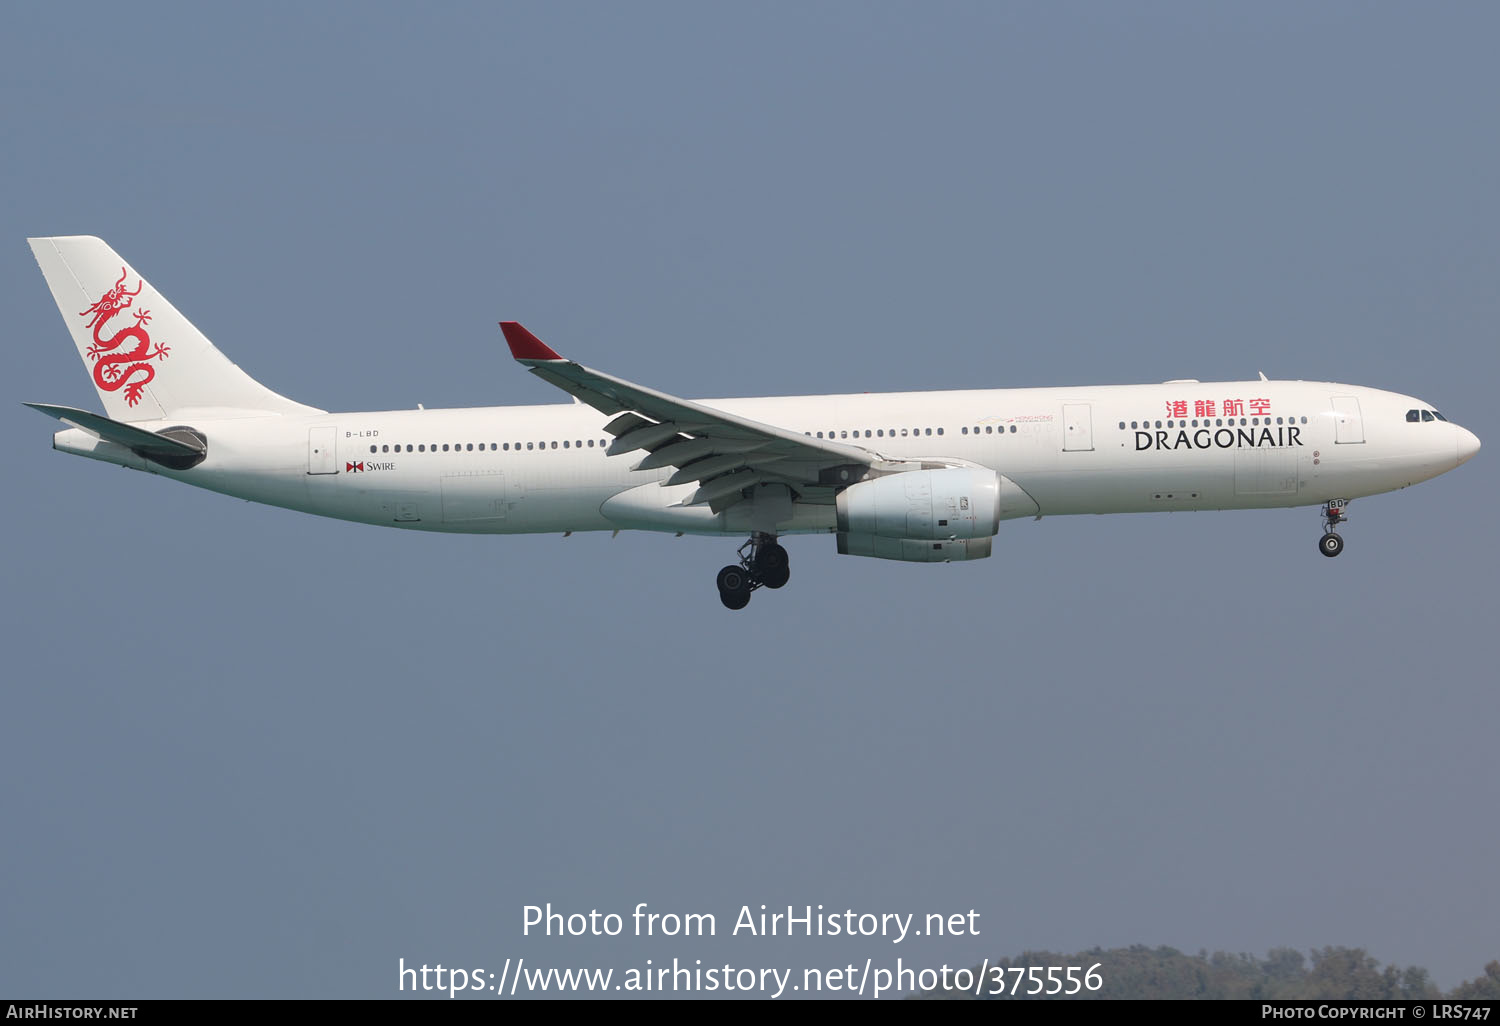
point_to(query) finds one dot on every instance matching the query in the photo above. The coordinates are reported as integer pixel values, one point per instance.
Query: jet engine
(921, 516)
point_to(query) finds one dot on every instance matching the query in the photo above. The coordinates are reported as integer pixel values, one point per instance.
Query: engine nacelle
(914, 550)
(923, 505)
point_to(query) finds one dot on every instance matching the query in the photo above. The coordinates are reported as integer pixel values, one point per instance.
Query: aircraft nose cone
(1468, 444)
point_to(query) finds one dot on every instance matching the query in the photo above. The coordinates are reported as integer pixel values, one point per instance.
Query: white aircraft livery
(925, 477)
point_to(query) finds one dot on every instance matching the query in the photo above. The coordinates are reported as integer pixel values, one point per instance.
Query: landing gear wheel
(763, 564)
(734, 587)
(771, 565)
(1333, 515)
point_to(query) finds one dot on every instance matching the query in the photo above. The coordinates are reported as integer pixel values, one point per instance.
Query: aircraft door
(1348, 426)
(1078, 427)
(320, 455)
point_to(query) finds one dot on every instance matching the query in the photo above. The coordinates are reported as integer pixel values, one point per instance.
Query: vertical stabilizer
(147, 361)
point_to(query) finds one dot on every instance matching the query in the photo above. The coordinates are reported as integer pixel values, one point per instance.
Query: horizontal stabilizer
(175, 452)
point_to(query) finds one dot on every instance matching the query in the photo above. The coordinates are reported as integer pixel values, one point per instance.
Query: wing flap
(624, 423)
(680, 454)
(725, 487)
(649, 437)
(711, 467)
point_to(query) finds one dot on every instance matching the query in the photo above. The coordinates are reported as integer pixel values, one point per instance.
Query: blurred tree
(1481, 988)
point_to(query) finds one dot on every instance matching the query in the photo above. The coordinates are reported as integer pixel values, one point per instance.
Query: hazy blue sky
(247, 752)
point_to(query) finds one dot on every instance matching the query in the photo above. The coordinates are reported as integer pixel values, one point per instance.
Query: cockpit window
(1427, 415)
(1438, 415)
(1412, 416)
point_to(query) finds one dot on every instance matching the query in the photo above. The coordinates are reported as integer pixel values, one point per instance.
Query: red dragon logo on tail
(130, 370)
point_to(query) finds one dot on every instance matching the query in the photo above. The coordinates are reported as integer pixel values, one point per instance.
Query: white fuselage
(511, 470)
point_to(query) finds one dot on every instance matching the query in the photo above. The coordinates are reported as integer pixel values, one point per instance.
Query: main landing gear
(763, 563)
(1331, 544)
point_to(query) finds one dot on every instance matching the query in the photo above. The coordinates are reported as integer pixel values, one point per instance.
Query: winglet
(524, 345)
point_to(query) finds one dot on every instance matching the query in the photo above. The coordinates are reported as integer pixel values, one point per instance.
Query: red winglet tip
(524, 345)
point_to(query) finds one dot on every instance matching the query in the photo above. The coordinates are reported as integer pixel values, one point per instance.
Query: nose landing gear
(763, 564)
(1331, 544)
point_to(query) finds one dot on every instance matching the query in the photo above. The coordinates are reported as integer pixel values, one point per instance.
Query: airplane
(924, 477)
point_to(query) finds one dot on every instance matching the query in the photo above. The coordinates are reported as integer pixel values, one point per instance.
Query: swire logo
(353, 468)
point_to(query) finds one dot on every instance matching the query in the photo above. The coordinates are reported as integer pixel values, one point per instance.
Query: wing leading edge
(725, 454)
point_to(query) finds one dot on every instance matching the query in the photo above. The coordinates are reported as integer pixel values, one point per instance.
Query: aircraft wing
(724, 453)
